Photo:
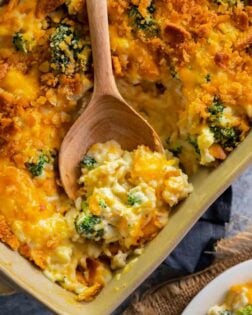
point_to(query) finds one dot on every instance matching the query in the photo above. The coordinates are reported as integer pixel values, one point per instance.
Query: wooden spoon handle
(99, 32)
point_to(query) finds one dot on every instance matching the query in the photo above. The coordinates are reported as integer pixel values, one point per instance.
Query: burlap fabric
(172, 297)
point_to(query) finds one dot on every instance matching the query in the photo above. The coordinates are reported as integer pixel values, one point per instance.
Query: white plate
(215, 291)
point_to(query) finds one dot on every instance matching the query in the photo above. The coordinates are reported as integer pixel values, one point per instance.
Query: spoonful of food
(107, 116)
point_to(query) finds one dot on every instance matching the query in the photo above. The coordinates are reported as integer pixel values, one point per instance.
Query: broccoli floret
(133, 199)
(247, 310)
(36, 169)
(134, 13)
(148, 25)
(88, 162)
(19, 42)
(68, 50)
(217, 107)
(228, 137)
(216, 111)
(63, 43)
(151, 8)
(194, 142)
(102, 204)
(89, 226)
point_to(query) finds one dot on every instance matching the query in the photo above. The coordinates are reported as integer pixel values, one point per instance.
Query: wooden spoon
(107, 115)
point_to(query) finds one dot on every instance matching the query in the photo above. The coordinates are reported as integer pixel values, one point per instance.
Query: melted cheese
(131, 192)
(171, 61)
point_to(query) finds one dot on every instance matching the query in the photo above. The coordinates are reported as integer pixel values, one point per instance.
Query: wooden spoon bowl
(107, 116)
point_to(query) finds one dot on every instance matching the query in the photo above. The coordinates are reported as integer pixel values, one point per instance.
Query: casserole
(208, 185)
(205, 140)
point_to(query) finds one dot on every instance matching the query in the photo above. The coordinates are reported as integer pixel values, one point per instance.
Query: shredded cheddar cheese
(126, 196)
(186, 67)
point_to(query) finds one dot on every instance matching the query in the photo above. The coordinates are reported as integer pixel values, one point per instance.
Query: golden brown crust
(241, 20)
(72, 84)
(175, 34)
(221, 59)
(12, 4)
(244, 42)
(78, 7)
(46, 6)
(25, 251)
(7, 109)
(117, 66)
(35, 255)
(6, 235)
(38, 256)
(90, 292)
(3, 69)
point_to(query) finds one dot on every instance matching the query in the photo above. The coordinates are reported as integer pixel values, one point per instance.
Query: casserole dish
(200, 106)
(208, 185)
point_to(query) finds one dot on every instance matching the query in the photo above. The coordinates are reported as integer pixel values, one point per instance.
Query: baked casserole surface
(184, 65)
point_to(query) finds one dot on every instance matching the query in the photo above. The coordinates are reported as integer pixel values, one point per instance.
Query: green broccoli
(228, 137)
(68, 50)
(89, 226)
(63, 44)
(194, 142)
(133, 199)
(247, 310)
(102, 204)
(36, 169)
(19, 42)
(88, 162)
(148, 25)
(216, 109)
(151, 8)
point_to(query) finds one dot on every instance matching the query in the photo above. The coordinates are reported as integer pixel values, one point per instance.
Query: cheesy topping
(186, 67)
(237, 302)
(126, 196)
